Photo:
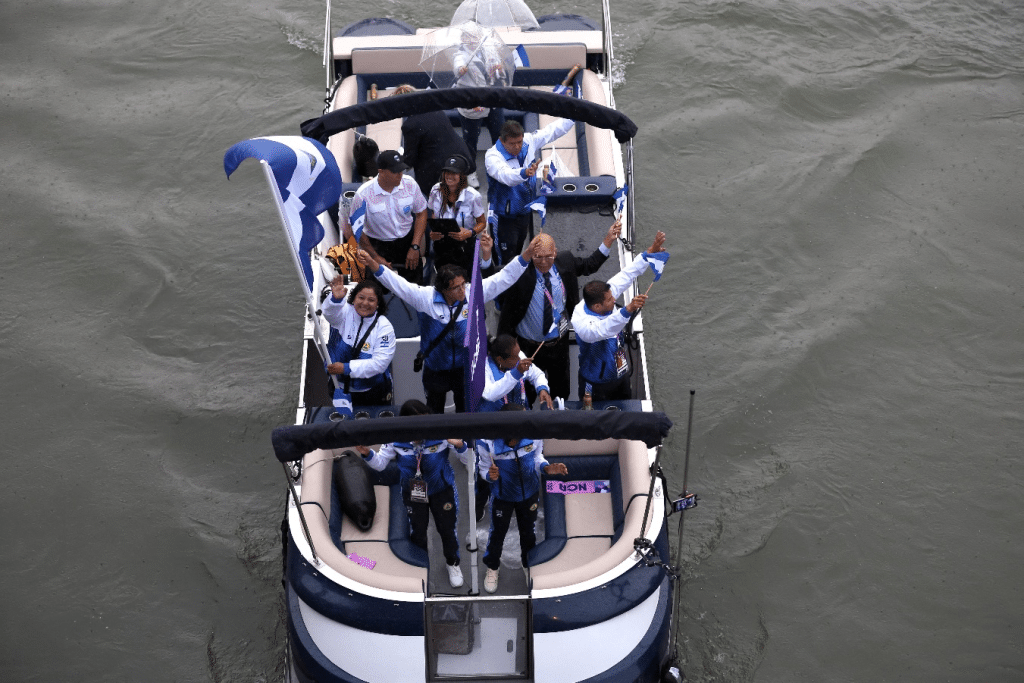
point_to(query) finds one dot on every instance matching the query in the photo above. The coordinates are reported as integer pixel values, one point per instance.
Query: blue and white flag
(620, 200)
(562, 89)
(358, 221)
(520, 58)
(540, 205)
(476, 337)
(308, 182)
(657, 260)
(342, 402)
(548, 186)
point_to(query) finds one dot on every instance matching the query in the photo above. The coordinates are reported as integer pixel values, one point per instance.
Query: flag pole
(311, 306)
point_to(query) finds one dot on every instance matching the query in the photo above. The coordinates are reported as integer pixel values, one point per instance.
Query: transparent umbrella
(467, 55)
(496, 13)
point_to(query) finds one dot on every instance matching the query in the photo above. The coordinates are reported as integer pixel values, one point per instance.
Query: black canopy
(421, 101)
(291, 443)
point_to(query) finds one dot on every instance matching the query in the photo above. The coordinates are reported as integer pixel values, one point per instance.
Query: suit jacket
(429, 140)
(517, 298)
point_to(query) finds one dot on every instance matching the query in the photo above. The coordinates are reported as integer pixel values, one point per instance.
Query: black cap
(456, 164)
(391, 160)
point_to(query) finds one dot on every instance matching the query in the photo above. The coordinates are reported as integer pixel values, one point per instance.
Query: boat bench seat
(588, 534)
(401, 566)
(586, 151)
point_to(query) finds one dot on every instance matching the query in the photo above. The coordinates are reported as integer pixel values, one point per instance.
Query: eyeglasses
(542, 257)
(455, 288)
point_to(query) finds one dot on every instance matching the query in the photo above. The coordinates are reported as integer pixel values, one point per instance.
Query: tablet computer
(444, 226)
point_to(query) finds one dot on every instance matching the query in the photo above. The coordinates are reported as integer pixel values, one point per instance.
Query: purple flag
(476, 337)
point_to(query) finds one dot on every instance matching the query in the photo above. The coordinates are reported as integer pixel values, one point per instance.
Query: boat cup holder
(336, 417)
(568, 187)
(612, 408)
(591, 187)
(348, 194)
(386, 413)
(362, 415)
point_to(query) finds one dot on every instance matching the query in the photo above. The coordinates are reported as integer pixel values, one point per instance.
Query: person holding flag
(507, 374)
(538, 306)
(511, 172)
(604, 359)
(443, 317)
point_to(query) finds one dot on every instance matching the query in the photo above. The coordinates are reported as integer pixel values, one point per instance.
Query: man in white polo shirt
(396, 217)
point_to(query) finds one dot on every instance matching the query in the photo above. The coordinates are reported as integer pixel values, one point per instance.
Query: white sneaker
(473, 180)
(491, 580)
(455, 576)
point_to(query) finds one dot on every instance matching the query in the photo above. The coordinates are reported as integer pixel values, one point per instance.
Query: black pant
(379, 395)
(553, 359)
(445, 510)
(395, 252)
(512, 232)
(437, 384)
(501, 518)
(617, 390)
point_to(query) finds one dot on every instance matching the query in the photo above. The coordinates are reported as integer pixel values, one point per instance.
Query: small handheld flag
(657, 262)
(342, 402)
(540, 205)
(620, 200)
(358, 221)
(520, 57)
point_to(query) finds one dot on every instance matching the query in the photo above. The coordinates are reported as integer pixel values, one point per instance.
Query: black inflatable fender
(355, 490)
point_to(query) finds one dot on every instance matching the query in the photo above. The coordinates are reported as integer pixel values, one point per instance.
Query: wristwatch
(415, 247)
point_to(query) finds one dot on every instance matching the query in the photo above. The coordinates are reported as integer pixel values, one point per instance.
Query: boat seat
(400, 566)
(588, 534)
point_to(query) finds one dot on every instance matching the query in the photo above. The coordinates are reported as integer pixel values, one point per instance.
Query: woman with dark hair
(443, 316)
(453, 198)
(362, 341)
(428, 486)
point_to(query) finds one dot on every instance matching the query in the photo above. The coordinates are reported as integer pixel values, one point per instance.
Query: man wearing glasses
(443, 352)
(538, 306)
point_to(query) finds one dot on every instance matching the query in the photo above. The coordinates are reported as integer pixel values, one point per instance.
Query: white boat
(596, 603)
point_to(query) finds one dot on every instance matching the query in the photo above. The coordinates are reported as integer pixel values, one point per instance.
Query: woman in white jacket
(362, 341)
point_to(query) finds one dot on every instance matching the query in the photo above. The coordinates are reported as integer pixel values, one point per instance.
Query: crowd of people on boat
(528, 359)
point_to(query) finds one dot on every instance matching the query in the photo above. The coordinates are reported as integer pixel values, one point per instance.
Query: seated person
(454, 198)
(443, 317)
(537, 307)
(604, 360)
(365, 342)
(511, 176)
(507, 373)
(428, 486)
(396, 216)
(513, 466)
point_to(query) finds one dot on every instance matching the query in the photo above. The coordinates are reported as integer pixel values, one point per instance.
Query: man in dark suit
(537, 308)
(429, 139)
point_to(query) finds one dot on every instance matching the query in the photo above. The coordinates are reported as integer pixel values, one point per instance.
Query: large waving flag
(540, 205)
(476, 337)
(308, 182)
(620, 200)
(657, 260)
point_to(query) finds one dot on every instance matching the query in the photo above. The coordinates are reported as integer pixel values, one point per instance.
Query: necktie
(549, 313)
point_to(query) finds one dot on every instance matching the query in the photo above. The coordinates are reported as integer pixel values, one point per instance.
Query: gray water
(842, 188)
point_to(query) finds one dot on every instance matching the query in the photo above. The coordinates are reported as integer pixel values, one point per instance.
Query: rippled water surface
(842, 187)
